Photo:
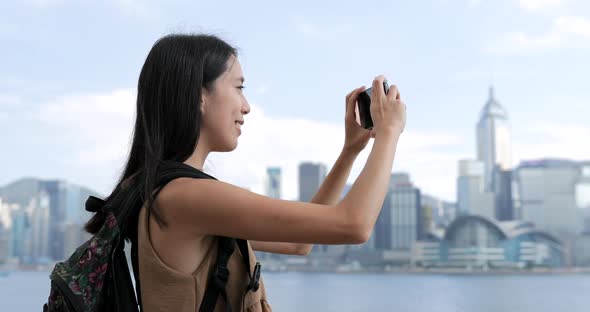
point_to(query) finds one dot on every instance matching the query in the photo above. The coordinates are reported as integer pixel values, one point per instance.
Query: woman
(189, 104)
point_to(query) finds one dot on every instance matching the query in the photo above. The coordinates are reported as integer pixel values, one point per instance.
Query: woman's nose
(246, 108)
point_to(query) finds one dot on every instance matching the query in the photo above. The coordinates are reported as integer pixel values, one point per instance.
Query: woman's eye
(241, 87)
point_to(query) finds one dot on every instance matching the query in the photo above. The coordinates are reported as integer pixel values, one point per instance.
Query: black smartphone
(363, 112)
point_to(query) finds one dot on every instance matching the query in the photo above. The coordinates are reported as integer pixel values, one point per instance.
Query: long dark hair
(168, 114)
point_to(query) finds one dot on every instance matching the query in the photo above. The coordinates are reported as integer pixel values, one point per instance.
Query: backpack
(96, 276)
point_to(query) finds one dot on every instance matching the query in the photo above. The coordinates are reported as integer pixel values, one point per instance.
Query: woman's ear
(204, 96)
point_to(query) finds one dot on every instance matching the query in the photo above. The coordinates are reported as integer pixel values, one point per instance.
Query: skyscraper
(311, 177)
(502, 188)
(39, 244)
(400, 222)
(19, 222)
(583, 194)
(545, 194)
(472, 199)
(56, 191)
(442, 212)
(273, 182)
(4, 242)
(493, 139)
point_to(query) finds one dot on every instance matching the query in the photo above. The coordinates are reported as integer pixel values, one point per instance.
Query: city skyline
(41, 221)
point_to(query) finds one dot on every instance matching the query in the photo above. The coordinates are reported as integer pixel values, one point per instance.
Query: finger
(351, 102)
(378, 92)
(393, 92)
(378, 85)
(349, 94)
(353, 92)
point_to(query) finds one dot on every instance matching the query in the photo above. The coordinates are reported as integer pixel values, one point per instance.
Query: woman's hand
(387, 110)
(356, 137)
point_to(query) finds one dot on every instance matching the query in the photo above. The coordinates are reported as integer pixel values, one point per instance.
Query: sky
(69, 71)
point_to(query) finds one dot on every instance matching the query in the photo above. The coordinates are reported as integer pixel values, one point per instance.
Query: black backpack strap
(170, 170)
(130, 205)
(218, 277)
(123, 286)
(254, 276)
(166, 172)
(135, 267)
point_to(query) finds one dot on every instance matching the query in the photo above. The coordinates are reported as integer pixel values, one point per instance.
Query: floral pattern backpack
(96, 276)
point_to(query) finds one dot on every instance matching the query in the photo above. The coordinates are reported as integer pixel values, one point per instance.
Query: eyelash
(241, 87)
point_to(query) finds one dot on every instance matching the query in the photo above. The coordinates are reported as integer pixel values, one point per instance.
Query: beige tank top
(166, 289)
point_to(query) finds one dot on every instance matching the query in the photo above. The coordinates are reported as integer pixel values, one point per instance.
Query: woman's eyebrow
(241, 79)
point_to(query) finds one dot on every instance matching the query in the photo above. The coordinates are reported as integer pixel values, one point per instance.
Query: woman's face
(223, 109)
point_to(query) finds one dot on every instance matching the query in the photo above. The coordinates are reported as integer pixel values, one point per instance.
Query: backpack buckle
(255, 279)
(94, 204)
(220, 276)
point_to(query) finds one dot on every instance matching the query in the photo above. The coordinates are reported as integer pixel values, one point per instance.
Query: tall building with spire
(493, 139)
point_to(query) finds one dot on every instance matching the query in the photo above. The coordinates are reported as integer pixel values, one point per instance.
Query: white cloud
(305, 27)
(552, 140)
(574, 25)
(8, 29)
(471, 74)
(44, 3)
(70, 107)
(565, 32)
(7, 101)
(140, 8)
(97, 128)
(473, 3)
(262, 89)
(540, 5)
(313, 30)
(529, 5)
(11, 81)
